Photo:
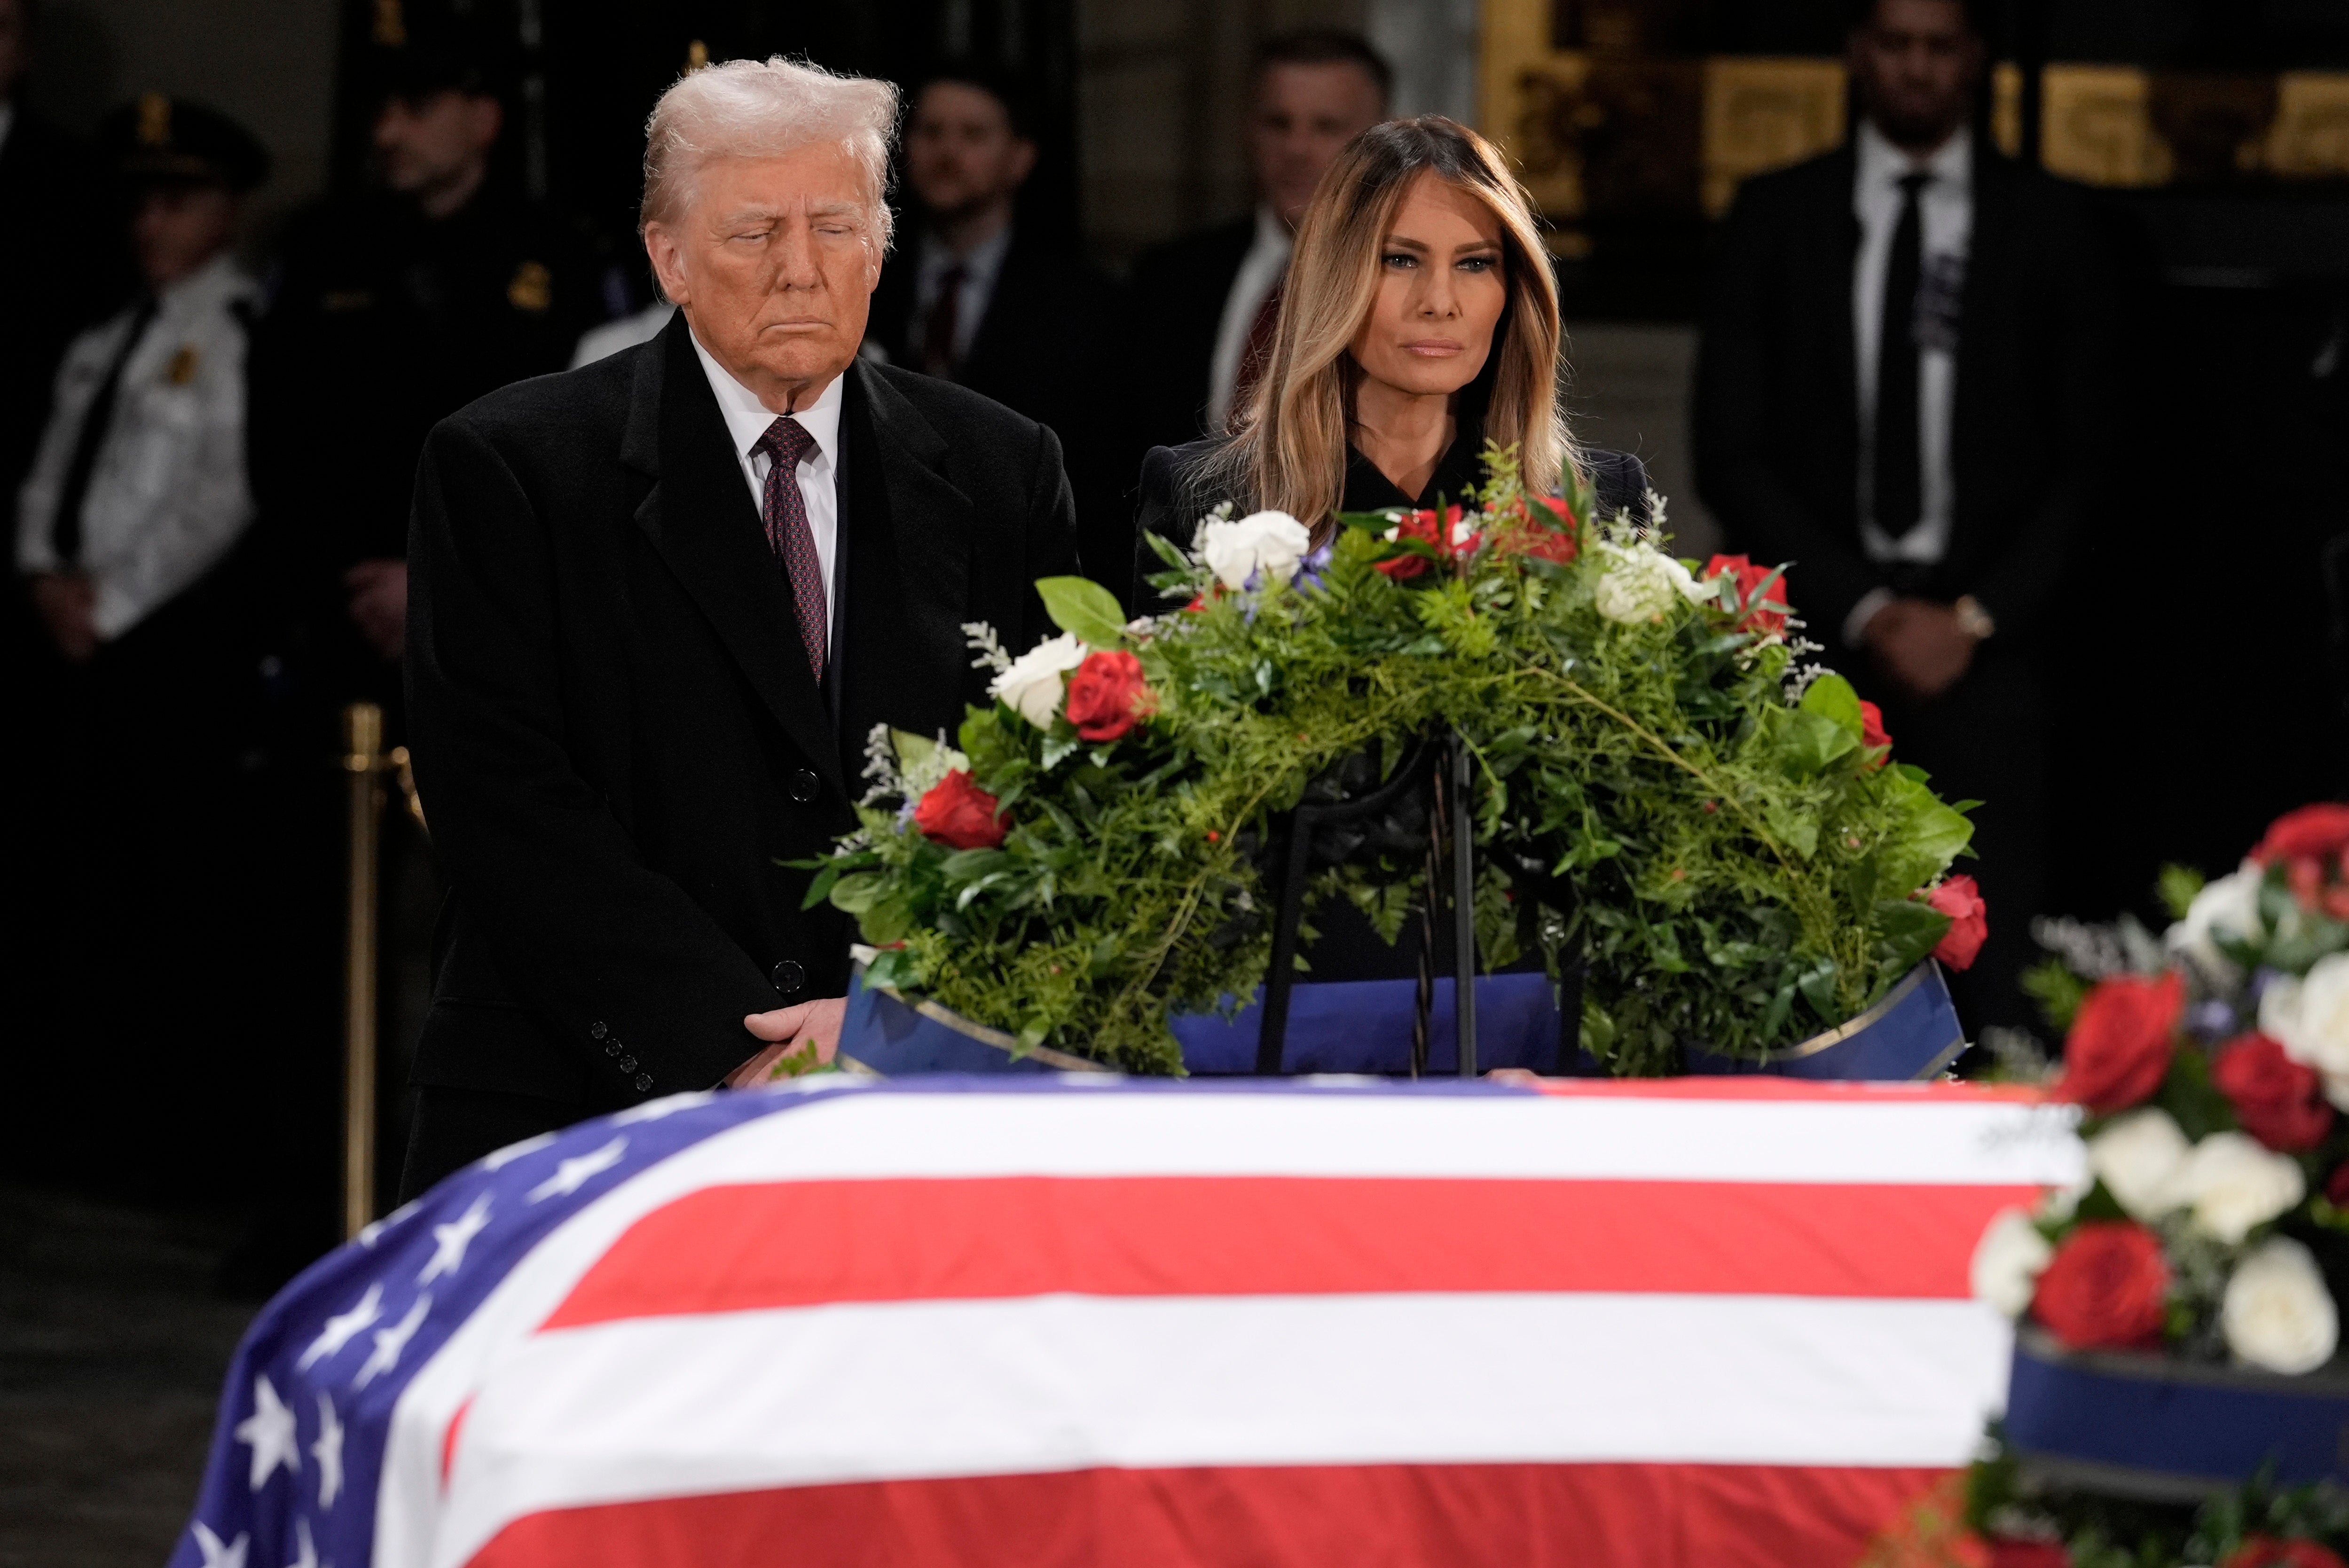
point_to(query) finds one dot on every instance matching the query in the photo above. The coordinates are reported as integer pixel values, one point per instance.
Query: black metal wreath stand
(1441, 767)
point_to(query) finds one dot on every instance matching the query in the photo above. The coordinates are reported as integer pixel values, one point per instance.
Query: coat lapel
(909, 534)
(700, 517)
(1834, 260)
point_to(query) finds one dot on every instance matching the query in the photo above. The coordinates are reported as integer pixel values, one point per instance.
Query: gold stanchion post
(363, 764)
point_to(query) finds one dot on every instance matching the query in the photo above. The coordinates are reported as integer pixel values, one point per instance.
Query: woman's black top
(1173, 501)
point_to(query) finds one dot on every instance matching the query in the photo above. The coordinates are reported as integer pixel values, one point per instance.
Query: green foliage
(2178, 885)
(1744, 869)
(2057, 990)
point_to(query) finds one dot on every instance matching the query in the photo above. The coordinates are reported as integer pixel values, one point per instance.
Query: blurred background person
(393, 307)
(1897, 395)
(973, 295)
(1200, 309)
(133, 536)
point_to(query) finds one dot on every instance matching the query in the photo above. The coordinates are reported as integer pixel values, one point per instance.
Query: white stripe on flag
(692, 1406)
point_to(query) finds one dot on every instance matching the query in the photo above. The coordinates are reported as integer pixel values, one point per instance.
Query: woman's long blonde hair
(1288, 450)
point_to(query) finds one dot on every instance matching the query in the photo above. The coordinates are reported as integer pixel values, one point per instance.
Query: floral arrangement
(1748, 863)
(2209, 1066)
(1990, 1516)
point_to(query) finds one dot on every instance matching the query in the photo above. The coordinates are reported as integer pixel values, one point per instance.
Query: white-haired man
(658, 605)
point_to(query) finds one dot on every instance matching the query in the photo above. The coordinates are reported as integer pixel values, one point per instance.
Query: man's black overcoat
(618, 741)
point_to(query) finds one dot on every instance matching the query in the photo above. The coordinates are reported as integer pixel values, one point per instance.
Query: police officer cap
(423, 47)
(158, 138)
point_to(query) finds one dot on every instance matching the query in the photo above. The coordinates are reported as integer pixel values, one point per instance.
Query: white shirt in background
(1945, 211)
(747, 419)
(1263, 267)
(979, 271)
(169, 495)
(602, 342)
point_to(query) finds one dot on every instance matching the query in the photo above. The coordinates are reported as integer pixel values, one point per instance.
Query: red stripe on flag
(1368, 1516)
(743, 1248)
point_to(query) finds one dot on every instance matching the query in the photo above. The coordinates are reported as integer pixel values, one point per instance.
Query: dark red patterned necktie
(789, 536)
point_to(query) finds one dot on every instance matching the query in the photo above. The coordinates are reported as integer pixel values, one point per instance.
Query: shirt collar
(215, 284)
(1272, 236)
(981, 264)
(747, 419)
(1951, 164)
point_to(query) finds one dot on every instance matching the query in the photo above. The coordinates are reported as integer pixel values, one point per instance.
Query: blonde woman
(1418, 320)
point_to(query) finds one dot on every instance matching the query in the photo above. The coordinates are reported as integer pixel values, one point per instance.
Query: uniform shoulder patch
(532, 288)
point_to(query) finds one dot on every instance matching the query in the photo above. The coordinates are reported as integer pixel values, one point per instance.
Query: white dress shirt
(169, 495)
(1266, 261)
(1945, 210)
(979, 271)
(747, 419)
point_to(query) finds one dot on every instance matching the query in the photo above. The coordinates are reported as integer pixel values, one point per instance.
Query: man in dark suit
(1200, 308)
(979, 298)
(1896, 398)
(659, 602)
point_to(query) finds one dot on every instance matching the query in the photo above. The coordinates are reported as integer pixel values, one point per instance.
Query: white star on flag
(310, 1552)
(391, 1342)
(342, 1330)
(514, 1152)
(374, 1228)
(572, 1173)
(270, 1431)
(216, 1555)
(328, 1451)
(450, 1241)
(667, 1105)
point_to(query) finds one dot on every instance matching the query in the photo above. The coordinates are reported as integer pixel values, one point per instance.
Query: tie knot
(786, 442)
(1912, 185)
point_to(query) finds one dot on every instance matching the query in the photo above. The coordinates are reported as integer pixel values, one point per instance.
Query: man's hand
(67, 602)
(379, 604)
(1920, 646)
(791, 1028)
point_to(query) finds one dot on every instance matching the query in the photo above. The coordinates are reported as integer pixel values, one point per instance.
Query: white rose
(1638, 584)
(2310, 1018)
(2007, 1261)
(2137, 1158)
(1031, 683)
(1264, 544)
(2277, 1313)
(2231, 1183)
(2226, 907)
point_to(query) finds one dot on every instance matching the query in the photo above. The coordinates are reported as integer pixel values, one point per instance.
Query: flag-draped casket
(1094, 1320)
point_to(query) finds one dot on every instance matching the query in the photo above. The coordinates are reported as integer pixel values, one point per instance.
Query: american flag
(1095, 1320)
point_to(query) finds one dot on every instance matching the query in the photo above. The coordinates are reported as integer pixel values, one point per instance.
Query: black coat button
(788, 976)
(627, 1064)
(610, 1047)
(644, 1082)
(598, 1029)
(804, 784)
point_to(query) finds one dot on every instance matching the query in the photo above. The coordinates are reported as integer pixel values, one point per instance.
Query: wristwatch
(1973, 620)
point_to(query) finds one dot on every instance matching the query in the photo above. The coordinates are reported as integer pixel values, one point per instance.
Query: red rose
(1107, 697)
(2006, 1552)
(2315, 833)
(1871, 732)
(2119, 1047)
(960, 815)
(1545, 538)
(1958, 898)
(2267, 1551)
(1761, 612)
(2104, 1287)
(2278, 1101)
